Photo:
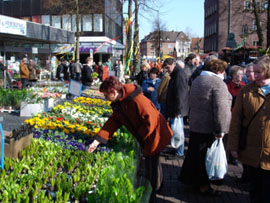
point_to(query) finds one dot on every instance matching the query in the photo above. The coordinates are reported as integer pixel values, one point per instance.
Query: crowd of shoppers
(217, 104)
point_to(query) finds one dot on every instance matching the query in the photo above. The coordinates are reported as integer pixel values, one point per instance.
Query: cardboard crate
(14, 147)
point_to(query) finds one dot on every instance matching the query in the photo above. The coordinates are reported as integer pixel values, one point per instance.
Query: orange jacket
(141, 118)
(24, 71)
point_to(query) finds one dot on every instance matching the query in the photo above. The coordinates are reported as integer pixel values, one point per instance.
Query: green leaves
(11, 97)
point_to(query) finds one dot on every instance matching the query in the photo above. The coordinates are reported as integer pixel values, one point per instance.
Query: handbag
(244, 131)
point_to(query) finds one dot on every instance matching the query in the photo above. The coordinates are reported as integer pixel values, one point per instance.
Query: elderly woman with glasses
(252, 112)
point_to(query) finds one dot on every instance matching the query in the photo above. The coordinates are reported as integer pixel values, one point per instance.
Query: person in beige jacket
(162, 92)
(256, 152)
(24, 72)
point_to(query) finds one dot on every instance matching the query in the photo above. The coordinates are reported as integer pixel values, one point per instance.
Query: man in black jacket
(2, 68)
(177, 95)
(86, 73)
(60, 71)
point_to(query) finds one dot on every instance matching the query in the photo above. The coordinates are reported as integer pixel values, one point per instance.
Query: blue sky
(177, 15)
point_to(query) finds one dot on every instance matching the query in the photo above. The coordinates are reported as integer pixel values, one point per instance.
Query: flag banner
(128, 46)
(241, 44)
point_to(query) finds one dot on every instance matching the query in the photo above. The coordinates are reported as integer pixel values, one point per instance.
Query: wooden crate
(13, 147)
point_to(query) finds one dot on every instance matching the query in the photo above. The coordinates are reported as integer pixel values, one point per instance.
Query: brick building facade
(224, 17)
(171, 43)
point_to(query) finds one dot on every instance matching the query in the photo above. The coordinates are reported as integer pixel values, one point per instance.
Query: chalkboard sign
(75, 88)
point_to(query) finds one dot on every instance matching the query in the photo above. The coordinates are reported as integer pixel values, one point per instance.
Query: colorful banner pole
(128, 46)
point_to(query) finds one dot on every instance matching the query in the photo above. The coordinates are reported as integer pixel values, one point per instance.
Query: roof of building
(170, 36)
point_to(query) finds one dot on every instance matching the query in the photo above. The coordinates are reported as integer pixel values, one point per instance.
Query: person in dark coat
(87, 71)
(177, 95)
(100, 71)
(72, 70)
(60, 71)
(139, 115)
(66, 70)
(143, 74)
(116, 68)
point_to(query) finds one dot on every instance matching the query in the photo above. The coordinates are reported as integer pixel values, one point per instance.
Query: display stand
(2, 144)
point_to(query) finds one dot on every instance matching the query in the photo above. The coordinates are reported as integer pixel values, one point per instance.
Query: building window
(87, 23)
(98, 23)
(74, 25)
(265, 5)
(66, 20)
(258, 3)
(113, 30)
(56, 21)
(45, 20)
(254, 26)
(247, 5)
(106, 24)
(245, 29)
(26, 18)
(36, 19)
(255, 43)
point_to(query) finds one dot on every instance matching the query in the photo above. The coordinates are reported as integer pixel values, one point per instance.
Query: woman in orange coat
(133, 110)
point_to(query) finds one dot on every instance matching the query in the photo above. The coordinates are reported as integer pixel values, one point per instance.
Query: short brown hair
(169, 61)
(216, 65)
(111, 83)
(265, 63)
(154, 70)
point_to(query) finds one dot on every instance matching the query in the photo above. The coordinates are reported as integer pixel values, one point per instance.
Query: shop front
(19, 38)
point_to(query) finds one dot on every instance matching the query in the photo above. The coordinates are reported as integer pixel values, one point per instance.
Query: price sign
(75, 88)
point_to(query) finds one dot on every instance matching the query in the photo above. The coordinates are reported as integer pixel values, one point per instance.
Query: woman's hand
(92, 147)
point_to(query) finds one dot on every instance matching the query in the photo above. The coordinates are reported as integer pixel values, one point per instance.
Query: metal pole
(3, 145)
(5, 73)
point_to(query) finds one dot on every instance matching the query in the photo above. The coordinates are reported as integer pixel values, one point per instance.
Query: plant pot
(14, 147)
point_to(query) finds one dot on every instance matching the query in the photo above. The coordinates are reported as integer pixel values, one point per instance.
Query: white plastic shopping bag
(216, 161)
(178, 137)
